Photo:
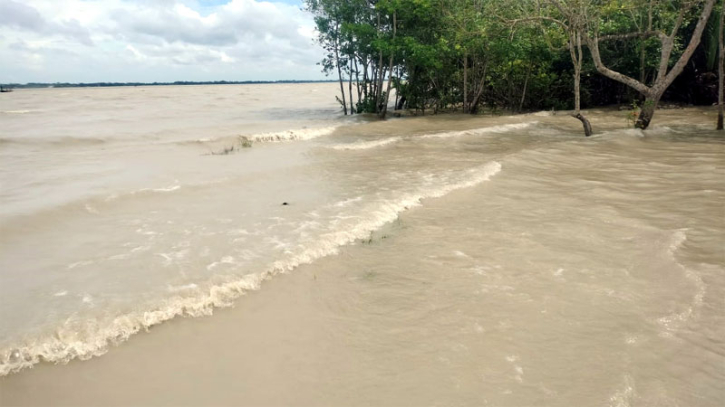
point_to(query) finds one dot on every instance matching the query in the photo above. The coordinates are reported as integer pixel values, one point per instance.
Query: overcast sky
(155, 40)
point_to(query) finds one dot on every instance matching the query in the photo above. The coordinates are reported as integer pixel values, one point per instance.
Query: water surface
(418, 261)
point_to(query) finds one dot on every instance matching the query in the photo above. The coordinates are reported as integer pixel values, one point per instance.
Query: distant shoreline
(36, 85)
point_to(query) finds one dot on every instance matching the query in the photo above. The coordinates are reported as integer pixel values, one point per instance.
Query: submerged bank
(531, 266)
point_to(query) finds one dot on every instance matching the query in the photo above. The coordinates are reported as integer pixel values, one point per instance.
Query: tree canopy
(519, 55)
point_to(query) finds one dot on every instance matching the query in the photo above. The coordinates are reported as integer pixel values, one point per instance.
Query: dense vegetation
(520, 54)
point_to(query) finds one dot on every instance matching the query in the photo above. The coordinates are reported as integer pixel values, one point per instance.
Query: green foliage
(501, 55)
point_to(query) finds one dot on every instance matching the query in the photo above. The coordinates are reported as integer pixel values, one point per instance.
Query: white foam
(543, 113)
(504, 128)
(17, 111)
(366, 145)
(290, 135)
(674, 321)
(622, 132)
(623, 396)
(165, 189)
(68, 343)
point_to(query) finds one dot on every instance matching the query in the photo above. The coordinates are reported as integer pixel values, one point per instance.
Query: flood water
(440, 260)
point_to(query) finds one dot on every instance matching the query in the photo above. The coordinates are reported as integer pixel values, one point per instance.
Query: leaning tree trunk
(651, 100)
(577, 58)
(720, 68)
(665, 75)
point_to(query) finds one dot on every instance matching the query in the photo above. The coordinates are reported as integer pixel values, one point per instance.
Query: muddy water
(420, 261)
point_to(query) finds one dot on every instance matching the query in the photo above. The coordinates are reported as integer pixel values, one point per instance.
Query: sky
(156, 41)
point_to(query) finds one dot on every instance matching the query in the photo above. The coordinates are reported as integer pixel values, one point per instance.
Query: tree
(720, 67)
(329, 18)
(665, 75)
(442, 54)
(571, 16)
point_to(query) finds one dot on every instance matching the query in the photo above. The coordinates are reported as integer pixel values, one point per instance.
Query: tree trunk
(720, 68)
(577, 58)
(384, 108)
(357, 82)
(577, 103)
(663, 79)
(465, 81)
(585, 123)
(477, 98)
(401, 103)
(642, 62)
(349, 85)
(380, 74)
(365, 79)
(648, 110)
(510, 96)
(339, 71)
(526, 84)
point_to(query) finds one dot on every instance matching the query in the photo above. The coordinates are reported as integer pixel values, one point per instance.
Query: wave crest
(365, 145)
(94, 338)
(504, 128)
(290, 135)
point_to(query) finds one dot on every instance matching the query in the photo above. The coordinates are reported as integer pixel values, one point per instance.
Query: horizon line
(138, 83)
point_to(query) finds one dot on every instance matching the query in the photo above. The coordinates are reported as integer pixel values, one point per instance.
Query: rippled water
(417, 261)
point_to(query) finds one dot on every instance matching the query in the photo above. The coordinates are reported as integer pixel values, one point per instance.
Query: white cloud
(155, 40)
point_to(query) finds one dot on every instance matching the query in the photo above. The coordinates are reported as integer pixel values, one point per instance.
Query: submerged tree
(453, 54)
(680, 11)
(720, 67)
(572, 17)
(329, 19)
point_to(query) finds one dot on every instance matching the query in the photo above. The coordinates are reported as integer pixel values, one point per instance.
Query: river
(439, 260)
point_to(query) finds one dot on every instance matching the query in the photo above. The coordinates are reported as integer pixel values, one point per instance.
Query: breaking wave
(504, 128)
(93, 338)
(17, 111)
(365, 145)
(675, 321)
(290, 135)
(268, 137)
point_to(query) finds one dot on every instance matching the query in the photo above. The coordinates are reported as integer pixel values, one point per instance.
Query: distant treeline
(115, 84)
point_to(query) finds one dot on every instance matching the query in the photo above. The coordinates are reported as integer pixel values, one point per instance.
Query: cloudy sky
(156, 40)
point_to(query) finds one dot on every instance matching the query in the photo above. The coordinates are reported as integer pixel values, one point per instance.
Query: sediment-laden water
(417, 261)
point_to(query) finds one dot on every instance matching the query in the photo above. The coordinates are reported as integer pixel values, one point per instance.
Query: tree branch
(602, 69)
(694, 42)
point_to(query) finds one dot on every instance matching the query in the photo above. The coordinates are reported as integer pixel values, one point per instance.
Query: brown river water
(440, 260)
